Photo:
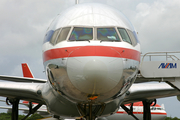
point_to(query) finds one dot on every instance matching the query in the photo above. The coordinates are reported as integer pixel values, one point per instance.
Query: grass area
(170, 118)
(7, 116)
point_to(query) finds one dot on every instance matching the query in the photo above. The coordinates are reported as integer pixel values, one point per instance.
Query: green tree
(34, 117)
(170, 118)
(7, 116)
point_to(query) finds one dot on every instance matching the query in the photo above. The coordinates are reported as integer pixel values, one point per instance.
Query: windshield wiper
(81, 40)
(110, 41)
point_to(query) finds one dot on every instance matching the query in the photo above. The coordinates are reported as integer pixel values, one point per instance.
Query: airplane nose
(94, 74)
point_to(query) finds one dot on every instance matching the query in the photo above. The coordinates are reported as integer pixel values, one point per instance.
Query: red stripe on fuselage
(81, 51)
(154, 113)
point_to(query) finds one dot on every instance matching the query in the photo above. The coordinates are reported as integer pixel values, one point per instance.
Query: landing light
(93, 97)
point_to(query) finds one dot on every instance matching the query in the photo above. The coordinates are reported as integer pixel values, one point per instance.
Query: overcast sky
(23, 25)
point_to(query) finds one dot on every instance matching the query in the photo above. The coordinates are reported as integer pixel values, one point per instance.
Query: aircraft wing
(21, 90)
(150, 91)
(21, 79)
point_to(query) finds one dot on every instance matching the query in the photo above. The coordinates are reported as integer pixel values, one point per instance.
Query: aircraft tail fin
(163, 106)
(26, 71)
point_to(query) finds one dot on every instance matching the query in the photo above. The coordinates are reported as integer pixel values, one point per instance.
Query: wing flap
(21, 79)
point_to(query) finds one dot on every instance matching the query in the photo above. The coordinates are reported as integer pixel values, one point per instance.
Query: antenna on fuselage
(77, 1)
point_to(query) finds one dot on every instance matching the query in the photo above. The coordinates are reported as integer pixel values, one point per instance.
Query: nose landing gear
(90, 111)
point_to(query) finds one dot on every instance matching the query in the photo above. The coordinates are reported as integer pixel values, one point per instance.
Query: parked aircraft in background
(157, 112)
(91, 55)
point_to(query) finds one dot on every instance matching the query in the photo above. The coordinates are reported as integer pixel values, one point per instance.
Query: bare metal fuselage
(90, 72)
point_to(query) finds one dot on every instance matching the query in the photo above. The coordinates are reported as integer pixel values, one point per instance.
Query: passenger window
(54, 37)
(80, 33)
(63, 34)
(124, 35)
(132, 37)
(107, 34)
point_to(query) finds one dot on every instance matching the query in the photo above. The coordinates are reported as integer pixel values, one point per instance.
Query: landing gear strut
(15, 111)
(15, 108)
(90, 111)
(32, 110)
(129, 111)
(147, 110)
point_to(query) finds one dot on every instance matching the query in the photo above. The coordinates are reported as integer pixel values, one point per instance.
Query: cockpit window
(107, 34)
(124, 35)
(86, 34)
(63, 34)
(80, 33)
(54, 37)
(134, 41)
